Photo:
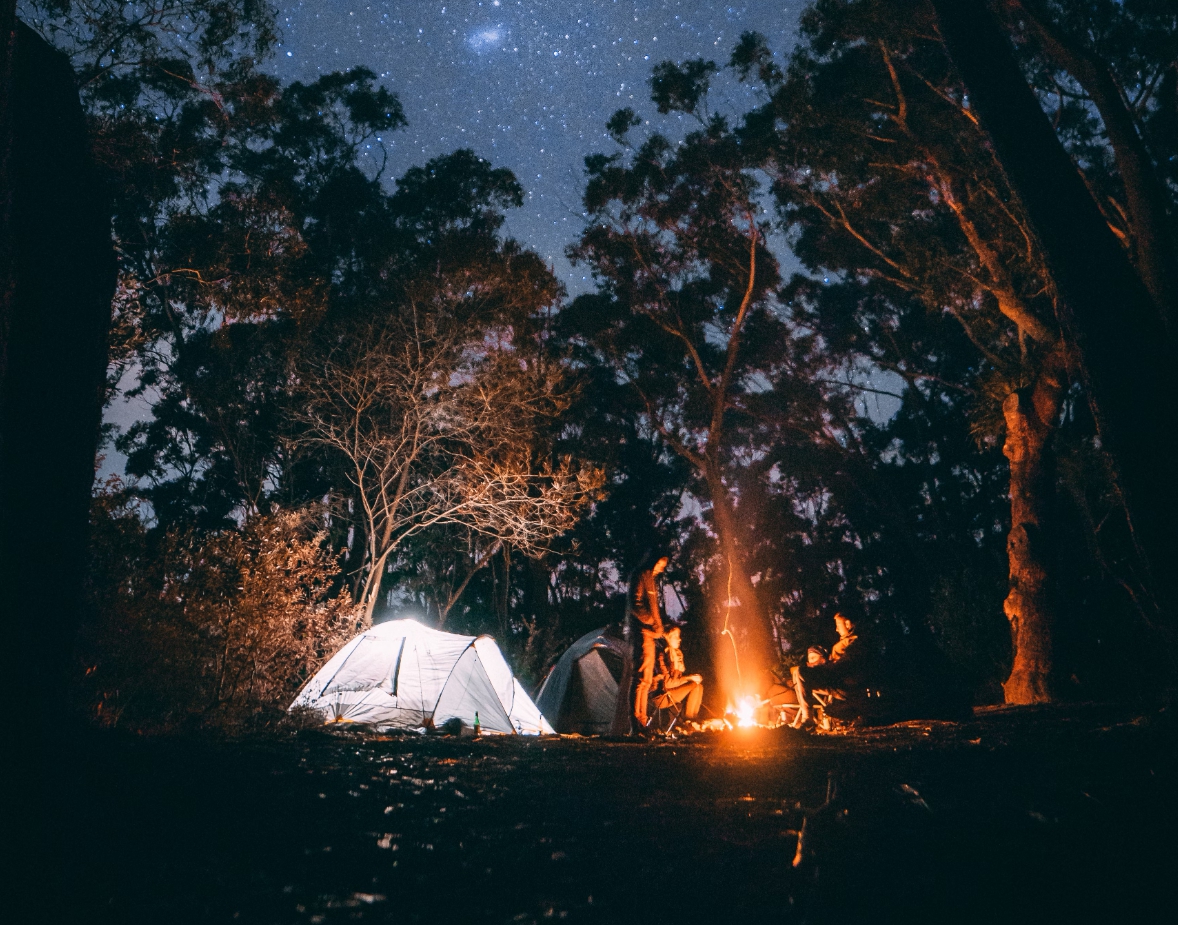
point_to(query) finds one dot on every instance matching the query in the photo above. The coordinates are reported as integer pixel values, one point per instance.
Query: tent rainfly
(580, 693)
(406, 675)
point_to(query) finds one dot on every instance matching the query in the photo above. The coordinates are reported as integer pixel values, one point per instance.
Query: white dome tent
(403, 674)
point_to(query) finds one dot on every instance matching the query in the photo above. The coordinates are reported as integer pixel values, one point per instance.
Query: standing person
(644, 625)
(676, 684)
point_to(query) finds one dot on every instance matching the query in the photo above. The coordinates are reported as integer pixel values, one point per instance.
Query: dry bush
(217, 629)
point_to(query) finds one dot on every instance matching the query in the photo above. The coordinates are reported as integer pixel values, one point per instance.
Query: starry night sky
(527, 84)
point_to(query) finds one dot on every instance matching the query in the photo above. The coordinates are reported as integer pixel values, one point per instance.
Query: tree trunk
(371, 588)
(7, 278)
(1031, 417)
(1028, 604)
(1109, 313)
(1145, 195)
(57, 277)
(749, 625)
(372, 583)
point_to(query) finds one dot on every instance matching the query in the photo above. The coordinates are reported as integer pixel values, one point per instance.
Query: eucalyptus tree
(1125, 353)
(888, 183)
(433, 411)
(1107, 73)
(685, 320)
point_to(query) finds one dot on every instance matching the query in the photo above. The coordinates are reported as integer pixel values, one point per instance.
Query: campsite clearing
(1063, 814)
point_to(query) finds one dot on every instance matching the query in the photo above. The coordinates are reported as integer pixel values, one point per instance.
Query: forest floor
(1066, 814)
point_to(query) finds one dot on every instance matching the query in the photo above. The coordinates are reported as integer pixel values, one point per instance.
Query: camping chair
(822, 699)
(662, 711)
(663, 718)
(784, 708)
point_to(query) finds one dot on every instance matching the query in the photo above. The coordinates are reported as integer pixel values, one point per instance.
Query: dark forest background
(368, 401)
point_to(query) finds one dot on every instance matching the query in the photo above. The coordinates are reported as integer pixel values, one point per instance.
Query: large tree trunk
(748, 623)
(7, 51)
(1126, 357)
(57, 277)
(1031, 418)
(51, 392)
(1144, 194)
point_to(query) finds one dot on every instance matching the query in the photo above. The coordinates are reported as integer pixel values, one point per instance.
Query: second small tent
(580, 694)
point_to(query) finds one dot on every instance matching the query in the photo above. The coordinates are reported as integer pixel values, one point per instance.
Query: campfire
(749, 711)
(746, 711)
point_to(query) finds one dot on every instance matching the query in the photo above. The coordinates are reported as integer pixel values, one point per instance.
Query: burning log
(746, 710)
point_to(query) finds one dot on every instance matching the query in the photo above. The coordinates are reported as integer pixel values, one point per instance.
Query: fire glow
(745, 711)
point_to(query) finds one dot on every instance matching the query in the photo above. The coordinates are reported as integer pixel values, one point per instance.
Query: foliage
(921, 263)
(685, 321)
(434, 417)
(218, 629)
(361, 390)
(263, 252)
(1107, 74)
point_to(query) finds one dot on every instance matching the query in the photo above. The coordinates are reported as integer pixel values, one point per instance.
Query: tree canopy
(825, 354)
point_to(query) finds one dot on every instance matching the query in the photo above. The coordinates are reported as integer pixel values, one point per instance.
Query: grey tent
(580, 693)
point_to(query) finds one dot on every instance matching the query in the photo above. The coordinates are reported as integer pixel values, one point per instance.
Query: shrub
(213, 629)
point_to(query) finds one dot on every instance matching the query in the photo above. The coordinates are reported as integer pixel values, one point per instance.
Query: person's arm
(821, 676)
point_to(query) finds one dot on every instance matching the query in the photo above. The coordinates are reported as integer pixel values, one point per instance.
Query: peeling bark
(1032, 415)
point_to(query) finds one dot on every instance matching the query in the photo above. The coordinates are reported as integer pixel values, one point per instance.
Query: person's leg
(694, 699)
(645, 673)
(674, 692)
(800, 692)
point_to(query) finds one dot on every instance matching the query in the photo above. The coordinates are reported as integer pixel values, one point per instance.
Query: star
(527, 84)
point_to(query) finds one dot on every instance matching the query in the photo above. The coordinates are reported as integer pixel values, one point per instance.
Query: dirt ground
(1055, 815)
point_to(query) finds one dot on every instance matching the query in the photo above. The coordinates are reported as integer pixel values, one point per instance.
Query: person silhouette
(644, 627)
(678, 686)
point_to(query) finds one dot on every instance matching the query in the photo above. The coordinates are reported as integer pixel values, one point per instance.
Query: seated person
(847, 637)
(826, 680)
(782, 697)
(677, 686)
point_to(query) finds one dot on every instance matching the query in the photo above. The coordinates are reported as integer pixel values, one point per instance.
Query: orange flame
(745, 711)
